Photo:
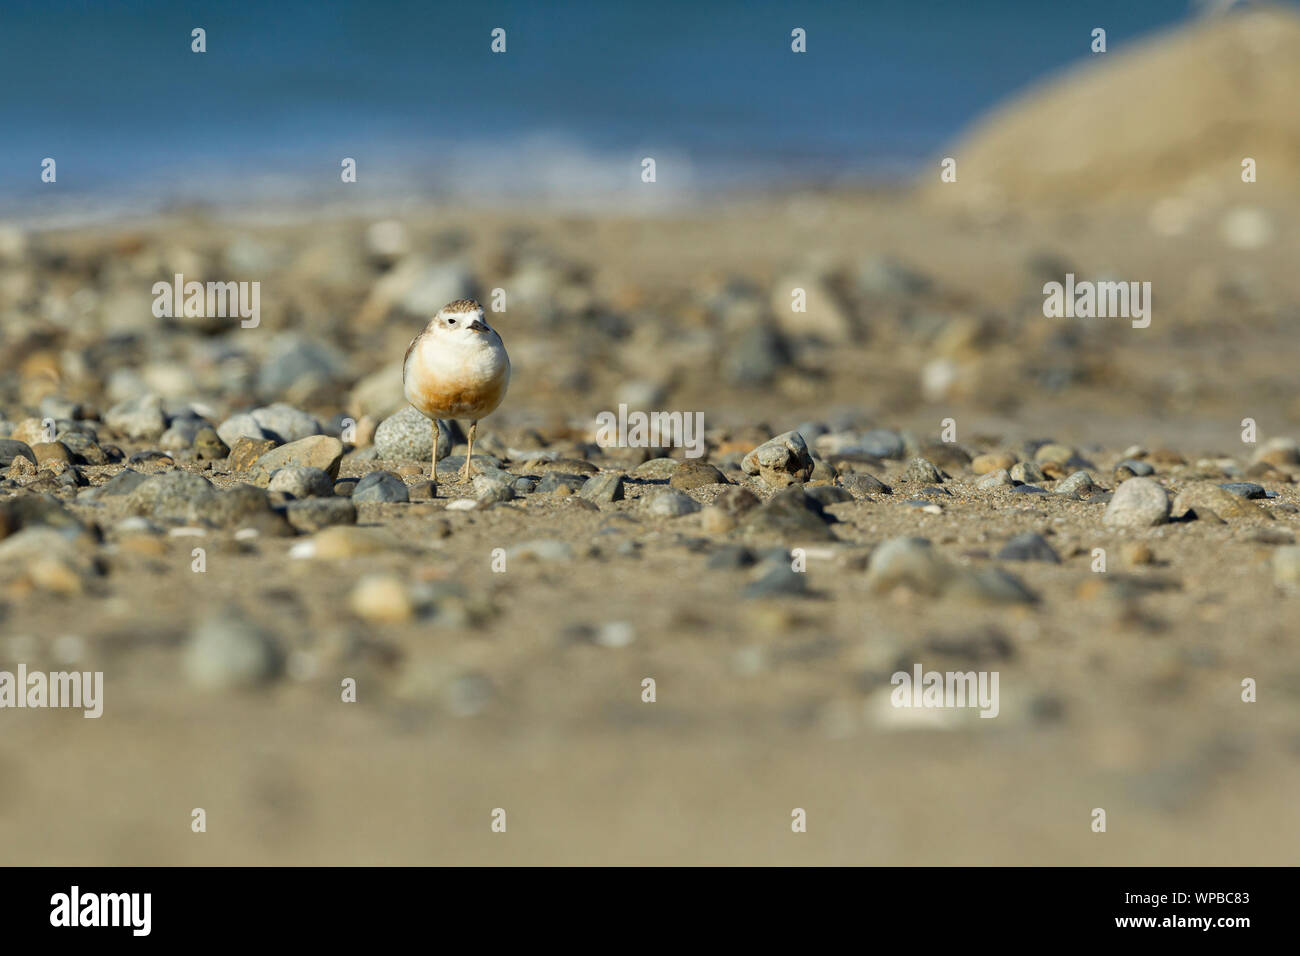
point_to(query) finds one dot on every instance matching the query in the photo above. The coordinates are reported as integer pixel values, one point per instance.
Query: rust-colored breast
(441, 399)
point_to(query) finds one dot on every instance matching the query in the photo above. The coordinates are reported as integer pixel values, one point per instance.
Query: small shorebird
(456, 368)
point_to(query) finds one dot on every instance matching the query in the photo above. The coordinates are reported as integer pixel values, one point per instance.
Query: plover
(457, 367)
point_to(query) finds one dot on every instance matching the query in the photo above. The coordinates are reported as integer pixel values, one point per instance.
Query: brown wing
(409, 349)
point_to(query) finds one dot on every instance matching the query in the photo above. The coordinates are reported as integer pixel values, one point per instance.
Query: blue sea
(413, 93)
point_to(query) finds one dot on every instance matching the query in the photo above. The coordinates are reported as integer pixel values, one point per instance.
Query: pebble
(85, 449)
(408, 436)
(47, 452)
(690, 475)
(1132, 468)
(173, 495)
(313, 514)
(882, 443)
(542, 549)
(227, 652)
(1276, 451)
(1204, 496)
(1029, 546)
(780, 461)
(240, 426)
(284, 423)
(1053, 452)
(1028, 490)
(180, 434)
(987, 463)
(382, 599)
(318, 451)
(139, 418)
(1027, 473)
(996, 479)
(910, 562)
(864, 484)
(1137, 503)
(656, 468)
(789, 514)
(345, 541)
(604, 488)
(241, 506)
(1080, 483)
(829, 494)
(566, 466)
(11, 449)
(245, 452)
(731, 557)
(921, 471)
(669, 503)
(989, 585)
(779, 580)
(1242, 489)
(302, 482)
(490, 488)
(1286, 566)
(296, 361)
(1136, 553)
(913, 563)
(552, 482)
(380, 486)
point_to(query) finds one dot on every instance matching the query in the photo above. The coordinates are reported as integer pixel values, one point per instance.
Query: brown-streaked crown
(461, 305)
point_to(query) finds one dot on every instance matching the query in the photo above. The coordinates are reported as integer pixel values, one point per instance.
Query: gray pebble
(553, 480)
(671, 504)
(302, 482)
(882, 443)
(382, 486)
(227, 652)
(139, 418)
(604, 488)
(780, 580)
(11, 448)
(284, 423)
(780, 461)
(1080, 483)
(489, 488)
(862, 484)
(1026, 473)
(1245, 489)
(1133, 468)
(1138, 503)
(1029, 546)
(922, 472)
(240, 426)
(996, 479)
(312, 514)
(408, 436)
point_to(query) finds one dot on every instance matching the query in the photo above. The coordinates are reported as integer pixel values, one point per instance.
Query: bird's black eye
(451, 321)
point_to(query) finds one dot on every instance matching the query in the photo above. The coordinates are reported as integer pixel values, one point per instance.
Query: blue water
(411, 91)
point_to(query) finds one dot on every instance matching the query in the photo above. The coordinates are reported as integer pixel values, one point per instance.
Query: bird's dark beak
(478, 325)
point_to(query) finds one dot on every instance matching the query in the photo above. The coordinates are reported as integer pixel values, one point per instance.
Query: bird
(456, 367)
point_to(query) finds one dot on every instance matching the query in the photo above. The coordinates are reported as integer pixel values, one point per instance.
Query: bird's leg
(433, 465)
(469, 454)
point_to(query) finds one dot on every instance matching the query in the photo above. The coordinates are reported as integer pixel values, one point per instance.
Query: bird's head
(462, 318)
